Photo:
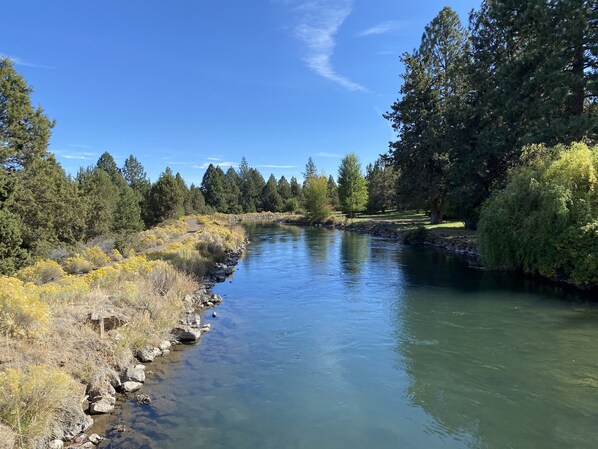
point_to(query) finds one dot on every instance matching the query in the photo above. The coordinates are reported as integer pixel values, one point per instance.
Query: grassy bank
(51, 350)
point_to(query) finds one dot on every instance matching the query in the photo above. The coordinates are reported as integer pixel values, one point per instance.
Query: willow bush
(546, 219)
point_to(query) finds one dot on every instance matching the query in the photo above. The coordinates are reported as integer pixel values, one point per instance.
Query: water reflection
(507, 368)
(354, 251)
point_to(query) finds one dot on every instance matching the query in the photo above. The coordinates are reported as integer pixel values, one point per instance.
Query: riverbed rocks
(102, 405)
(148, 354)
(130, 386)
(186, 334)
(54, 444)
(143, 399)
(135, 373)
(107, 320)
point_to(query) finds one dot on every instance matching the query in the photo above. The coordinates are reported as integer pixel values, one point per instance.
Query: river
(327, 339)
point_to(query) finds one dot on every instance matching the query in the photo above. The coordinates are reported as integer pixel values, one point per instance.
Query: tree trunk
(436, 211)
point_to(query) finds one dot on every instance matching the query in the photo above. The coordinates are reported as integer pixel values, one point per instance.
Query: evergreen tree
(233, 191)
(256, 184)
(250, 191)
(165, 198)
(381, 181)
(284, 188)
(24, 130)
(433, 83)
(296, 190)
(107, 163)
(310, 170)
(352, 188)
(135, 175)
(333, 193)
(12, 255)
(271, 201)
(127, 216)
(101, 196)
(196, 201)
(213, 187)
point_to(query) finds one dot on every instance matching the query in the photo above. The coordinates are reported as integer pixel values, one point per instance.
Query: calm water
(336, 340)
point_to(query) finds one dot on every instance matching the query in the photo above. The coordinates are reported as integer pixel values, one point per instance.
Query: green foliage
(102, 197)
(296, 190)
(333, 193)
(352, 188)
(311, 171)
(107, 163)
(127, 216)
(12, 255)
(165, 198)
(284, 188)
(416, 236)
(271, 201)
(42, 272)
(546, 219)
(317, 208)
(381, 180)
(214, 186)
(291, 205)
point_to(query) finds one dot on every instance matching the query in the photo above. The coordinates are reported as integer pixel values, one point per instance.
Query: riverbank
(73, 342)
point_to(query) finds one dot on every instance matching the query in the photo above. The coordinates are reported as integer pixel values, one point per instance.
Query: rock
(54, 444)
(106, 320)
(88, 445)
(135, 373)
(214, 315)
(148, 354)
(165, 345)
(191, 319)
(210, 304)
(80, 438)
(130, 386)
(102, 405)
(206, 328)
(186, 334)
(113, 378)
(8, 437)
(119, 428)
(95, 438)
(143, 399)
(125, 360)
(99, 388)
(72, 421)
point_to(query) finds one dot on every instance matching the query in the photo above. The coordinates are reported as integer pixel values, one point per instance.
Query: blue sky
(185, 83)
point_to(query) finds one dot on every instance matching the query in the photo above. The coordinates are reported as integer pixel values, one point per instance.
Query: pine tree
(165, 198)
(107, 163)
(333, 193)
(284, 188)
(432, 83)
(127, 216)
(352, 188)
(12, 255)
(101, 196)
(213, 187)
(233, 191)
(271, 201)
(296, 190)
(310, 170)
(381, 181)
(196, 201)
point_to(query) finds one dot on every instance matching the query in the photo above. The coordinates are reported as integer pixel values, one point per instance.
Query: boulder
(186, 334)
(99, 388)
(130, 386)
(165, 345)
(71, 422)
(106, 320)
(135, 373)
(95, 439)
(102, 405)
(191, 319)
(148, 354)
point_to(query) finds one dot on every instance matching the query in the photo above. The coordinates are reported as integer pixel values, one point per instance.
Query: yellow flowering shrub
(66, 289)
(96, 256)
(115, 255)
(77, 265)
(22, 313)
(41, 272)
(29, 400)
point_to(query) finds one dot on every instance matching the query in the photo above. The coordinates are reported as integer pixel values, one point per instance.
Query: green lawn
(403, 220)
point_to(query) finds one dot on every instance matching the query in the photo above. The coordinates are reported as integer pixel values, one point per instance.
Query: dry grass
(46, 339)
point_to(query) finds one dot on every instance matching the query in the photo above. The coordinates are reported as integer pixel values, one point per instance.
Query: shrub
(77, 265)
(22, 313)
(291, 205)
(41, 272)
(30, 399)
(545, 220)
(416, 236)
(96, 256)
(115, 255)
(66, 289)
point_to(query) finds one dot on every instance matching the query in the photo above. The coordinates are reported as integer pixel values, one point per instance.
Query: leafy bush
(291, 205)
(42, 272)
(29, 400)
(96, 256)
(22, 313)
(66, 289)
(77, 265)
(416, 236)
(115, 255)
(546, 219)
(317, 207)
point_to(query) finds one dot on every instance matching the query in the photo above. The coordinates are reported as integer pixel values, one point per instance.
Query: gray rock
(99, 388)
(131, 386)
(54, 444)
(143, 399)
(165, 345)
(191, 319)
(95, 439)
(87, 445)
(72, 422)
(186, 334)
(206, 328)
(7, 437)
(135, 373)
(148, 354)
(102, 405)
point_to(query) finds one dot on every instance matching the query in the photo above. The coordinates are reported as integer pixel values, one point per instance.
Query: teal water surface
(335, 340)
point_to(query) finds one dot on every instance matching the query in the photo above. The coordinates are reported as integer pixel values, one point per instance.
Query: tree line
(473, 98)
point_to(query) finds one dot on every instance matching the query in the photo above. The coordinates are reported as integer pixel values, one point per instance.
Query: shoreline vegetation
(76, 333)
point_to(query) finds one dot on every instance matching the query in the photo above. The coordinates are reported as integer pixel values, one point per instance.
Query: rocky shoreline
(128, 375)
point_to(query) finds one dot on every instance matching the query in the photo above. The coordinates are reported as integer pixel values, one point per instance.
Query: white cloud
(380, 28)
(221, 164)
(326, 154)
(22, 62)
(318, 24)
(78, 155)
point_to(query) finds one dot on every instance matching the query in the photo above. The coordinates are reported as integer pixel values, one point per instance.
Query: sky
(186, 83)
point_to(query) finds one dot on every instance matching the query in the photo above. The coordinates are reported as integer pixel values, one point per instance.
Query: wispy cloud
(317, 26)
(77, 155)
(22, 62)
(326, 154)
(381, 28)
(221, 164)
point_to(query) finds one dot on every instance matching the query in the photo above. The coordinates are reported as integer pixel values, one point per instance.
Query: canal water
(333, 340)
